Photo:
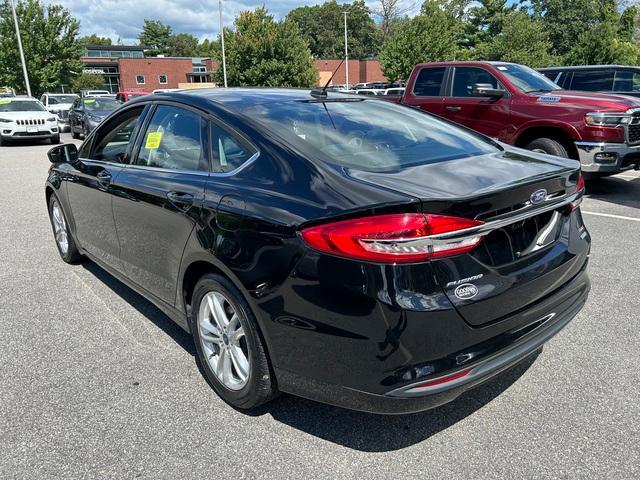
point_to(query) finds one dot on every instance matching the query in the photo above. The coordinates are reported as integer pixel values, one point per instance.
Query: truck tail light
(396, 238)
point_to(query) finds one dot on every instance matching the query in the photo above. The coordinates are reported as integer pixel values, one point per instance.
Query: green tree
(155, 35)
(94, 39)
(567, 20)
(425, 38)
(521, 39)
(323, 28)
(50, 41)
(88, 81)
(182, 45)
(209, 48)
(486, 20)
(263, 52)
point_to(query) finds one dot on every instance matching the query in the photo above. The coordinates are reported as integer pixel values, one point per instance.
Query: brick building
(126, 68)
(360, 71)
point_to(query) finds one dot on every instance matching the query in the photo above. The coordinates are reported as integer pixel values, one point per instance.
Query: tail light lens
(580, 187)
(398, 238)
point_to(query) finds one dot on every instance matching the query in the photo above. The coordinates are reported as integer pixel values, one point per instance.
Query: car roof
(236, 98)
(587, 67)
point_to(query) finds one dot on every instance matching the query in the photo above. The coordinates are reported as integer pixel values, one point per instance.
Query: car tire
(549, 146)
(258, 385)
(2, 141)
(68, 251)
(74, 134)
(85, 132)
(55, 140)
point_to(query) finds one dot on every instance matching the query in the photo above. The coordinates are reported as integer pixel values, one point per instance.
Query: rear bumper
(603, 157)
(482, 362)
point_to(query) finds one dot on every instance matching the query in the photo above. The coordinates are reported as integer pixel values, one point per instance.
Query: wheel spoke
(236, 335)
(217, 311)
(240, 362)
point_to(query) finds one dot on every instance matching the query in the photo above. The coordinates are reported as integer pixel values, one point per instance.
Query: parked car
(340, 248)
(369, 91)
(87, 112)
(165, 90)
(129, 95)
(522, 107)
(95, 93)
(394, 91)
(59, 104)
(24, 118)
(619, 79)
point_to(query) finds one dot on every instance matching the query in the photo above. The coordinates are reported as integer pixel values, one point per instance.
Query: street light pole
(224, 60)
(346, 51)
(24, 65)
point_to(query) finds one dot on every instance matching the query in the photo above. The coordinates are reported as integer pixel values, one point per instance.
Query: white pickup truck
(59, 104)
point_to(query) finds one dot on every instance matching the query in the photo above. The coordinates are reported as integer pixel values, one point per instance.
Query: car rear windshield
(369, 135)
(55, 99)
(9, 105)
(100, 103)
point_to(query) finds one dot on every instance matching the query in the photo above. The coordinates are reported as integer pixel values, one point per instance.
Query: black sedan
(339, 248)
(86, 114)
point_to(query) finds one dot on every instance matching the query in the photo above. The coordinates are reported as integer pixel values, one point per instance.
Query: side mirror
(487, 90)
(67, 153)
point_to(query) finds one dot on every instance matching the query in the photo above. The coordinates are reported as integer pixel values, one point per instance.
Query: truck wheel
(548, 146)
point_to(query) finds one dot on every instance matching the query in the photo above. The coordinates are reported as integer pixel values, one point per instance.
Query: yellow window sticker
(4, 101)
(91, 100)
(153, 140)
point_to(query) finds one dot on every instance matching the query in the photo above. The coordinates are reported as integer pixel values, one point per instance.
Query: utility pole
(224, 60)
(24, 65)
(346, 51)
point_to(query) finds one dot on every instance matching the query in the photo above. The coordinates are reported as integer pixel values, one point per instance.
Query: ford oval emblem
(538, 196)
(466, 291)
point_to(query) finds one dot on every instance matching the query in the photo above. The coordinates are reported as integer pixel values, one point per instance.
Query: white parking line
(609, 215)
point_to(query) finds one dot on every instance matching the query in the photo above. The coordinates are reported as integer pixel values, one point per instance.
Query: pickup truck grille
(30, 122)
(634, 133)
(504, 245)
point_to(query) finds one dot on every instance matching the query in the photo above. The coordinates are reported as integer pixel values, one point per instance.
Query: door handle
(104, 178)
(453, 109)
(181, 200)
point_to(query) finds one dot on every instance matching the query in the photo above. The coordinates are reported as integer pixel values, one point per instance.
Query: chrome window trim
(165, 170)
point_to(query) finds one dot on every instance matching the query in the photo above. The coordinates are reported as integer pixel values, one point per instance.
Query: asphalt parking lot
(95, 382)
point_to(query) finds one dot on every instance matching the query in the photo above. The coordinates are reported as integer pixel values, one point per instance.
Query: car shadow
(352, 429)
(144, 306)
(615, 190)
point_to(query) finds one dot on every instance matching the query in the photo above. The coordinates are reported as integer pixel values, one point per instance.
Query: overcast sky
(119, 18)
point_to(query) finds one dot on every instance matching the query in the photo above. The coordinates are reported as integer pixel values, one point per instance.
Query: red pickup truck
(519, 106)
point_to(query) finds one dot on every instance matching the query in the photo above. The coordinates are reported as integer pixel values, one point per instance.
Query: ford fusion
(339, 248)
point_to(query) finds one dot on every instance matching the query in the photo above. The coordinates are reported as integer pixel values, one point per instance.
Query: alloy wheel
(223, 340)
(59, 227)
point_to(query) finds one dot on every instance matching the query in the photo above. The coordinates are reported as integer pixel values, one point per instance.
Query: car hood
(98, 113)
(470, 176)
(25, 115)
(594, 101)
(60, 106)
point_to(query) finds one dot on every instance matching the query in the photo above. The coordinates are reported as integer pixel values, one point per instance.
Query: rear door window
(174, 140)
(429, 82)
(627, 81)
(592, 80)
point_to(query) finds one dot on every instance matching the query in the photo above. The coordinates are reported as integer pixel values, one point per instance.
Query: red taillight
(580, 187)
(398, 238)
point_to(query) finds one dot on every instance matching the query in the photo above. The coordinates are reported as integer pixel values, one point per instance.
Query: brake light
(580, 187)
(397, 238)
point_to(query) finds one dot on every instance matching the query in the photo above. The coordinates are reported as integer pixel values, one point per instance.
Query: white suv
(59, 104)
(26, 118)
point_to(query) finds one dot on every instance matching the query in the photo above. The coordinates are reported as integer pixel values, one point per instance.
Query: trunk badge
(538, 196)
(466, 291)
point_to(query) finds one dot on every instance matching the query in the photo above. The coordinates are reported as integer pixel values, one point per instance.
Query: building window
(162, 79)
(140, 79)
